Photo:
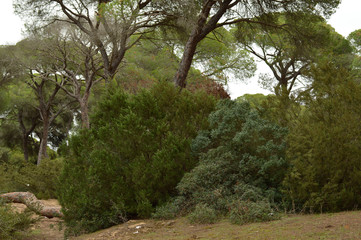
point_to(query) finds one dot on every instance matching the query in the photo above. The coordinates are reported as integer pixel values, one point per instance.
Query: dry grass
(345, 225)
(340, 226)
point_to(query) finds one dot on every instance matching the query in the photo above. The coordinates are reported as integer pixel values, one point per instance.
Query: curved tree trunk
(32, 203)
(185, 64)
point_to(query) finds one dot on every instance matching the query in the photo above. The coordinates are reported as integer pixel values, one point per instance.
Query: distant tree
(76, 60)
(39, 76)
(203, 17)
(20, 120)
(355, 40)
(108, 25)
(290, 51)
(8, 65)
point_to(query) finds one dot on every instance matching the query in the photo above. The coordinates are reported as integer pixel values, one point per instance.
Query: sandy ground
(45, 228)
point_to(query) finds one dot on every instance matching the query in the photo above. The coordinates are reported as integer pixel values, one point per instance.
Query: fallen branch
(32, 203)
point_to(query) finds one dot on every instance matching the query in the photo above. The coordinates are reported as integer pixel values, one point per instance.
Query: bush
(203, 214)
(242, 212)
(14, 225)
(170, 210)
(16, 175)
(133, 157)
(242, 157)
(325, 146)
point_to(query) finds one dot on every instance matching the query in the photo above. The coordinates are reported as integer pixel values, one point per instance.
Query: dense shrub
(325, 146)
(17, 175)
(14, 225)
(133, 157)
(241, 159)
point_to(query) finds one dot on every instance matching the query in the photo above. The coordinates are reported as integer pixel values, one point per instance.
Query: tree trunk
(32, 203)
(25, 147)
(187, 58)
(198, 33)
(43, 153)
(25, 134)
(84, 109)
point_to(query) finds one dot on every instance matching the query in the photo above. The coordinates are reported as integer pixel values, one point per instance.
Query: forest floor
(344, 225)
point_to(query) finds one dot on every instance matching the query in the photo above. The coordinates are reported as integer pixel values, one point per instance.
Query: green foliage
(203, 214)
(14, 225)
(16, 175)
(133, 157)
(241, 157)
(167, 211)
(325, 145)
(249, 211)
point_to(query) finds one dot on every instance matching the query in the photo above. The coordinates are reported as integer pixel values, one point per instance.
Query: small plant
(203, 214)
(168, 211)
(14, 225)
(242, 212)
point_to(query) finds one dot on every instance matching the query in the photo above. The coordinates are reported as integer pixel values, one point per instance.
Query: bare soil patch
(45, 228)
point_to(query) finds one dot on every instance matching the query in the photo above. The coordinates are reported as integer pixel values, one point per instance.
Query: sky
(346, 19)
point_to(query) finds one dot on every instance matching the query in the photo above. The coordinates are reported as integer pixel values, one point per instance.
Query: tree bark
(84, 109)
(25, 133)
(25, 147)
(43, 153)
(205, 24)
(187, 58)
(33, 204)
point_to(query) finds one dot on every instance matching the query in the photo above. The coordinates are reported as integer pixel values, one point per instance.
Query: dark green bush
(325, 146)
(242, 157)
(14, 225)
(133, 157)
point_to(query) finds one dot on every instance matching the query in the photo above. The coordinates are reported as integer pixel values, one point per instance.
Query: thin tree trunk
(25, 147)
(84, 108)
(43, 153)
(25, 134)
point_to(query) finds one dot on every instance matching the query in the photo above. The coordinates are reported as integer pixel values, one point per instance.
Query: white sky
(346, 19)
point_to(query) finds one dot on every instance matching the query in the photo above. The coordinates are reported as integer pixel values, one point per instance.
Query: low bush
(170, 210)
(242, 212)
(16, 175)
(203, 214)
(14, 225)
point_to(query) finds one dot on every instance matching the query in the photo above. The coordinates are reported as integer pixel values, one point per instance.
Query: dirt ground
(45, 228)
(340, 226)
